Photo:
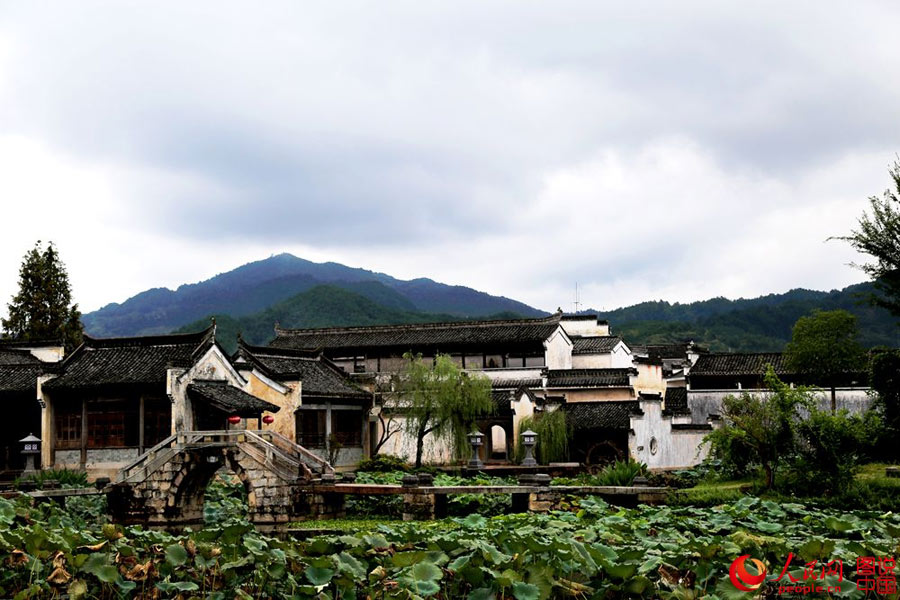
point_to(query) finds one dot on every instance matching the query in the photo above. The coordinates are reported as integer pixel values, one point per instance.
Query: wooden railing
(272, 450)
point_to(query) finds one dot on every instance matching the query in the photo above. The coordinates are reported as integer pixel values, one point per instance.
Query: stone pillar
(417, 504)
(542, 499)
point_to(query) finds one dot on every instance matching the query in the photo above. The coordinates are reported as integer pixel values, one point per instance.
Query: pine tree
(43, 309)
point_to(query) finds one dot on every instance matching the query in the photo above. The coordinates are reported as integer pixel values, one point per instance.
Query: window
(513, 361)
(68, 426)
(112, 424)
(157, 420)
(347, 427)
(311, 428)
(534, 361)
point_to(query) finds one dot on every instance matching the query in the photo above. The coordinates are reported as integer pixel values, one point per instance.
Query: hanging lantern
(234, 419)
(268, 419)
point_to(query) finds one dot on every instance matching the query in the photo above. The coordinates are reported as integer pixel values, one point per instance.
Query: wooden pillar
(84, 432)
(328, 429)
(141, 424)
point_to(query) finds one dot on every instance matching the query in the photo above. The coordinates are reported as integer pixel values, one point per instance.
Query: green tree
(441, 400)
(760, 429)
(43, 309)
(832, 446)
(878, 235)
(824, 349)
(884, 376)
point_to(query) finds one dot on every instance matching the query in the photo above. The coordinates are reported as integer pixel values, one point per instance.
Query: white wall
(674, 448)
(705, 402)
(558, 351)
(588, 327)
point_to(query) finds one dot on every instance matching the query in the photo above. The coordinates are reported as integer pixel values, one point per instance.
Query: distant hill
(321, 306)
(259, 285)
(749, 325)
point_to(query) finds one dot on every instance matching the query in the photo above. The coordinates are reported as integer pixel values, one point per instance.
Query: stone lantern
(31, 450)
(476, 440)
(529, 439)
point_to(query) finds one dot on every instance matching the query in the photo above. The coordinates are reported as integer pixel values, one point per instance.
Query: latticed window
(311, 428)
(68, 426)
(157, 420)
(112, 424)
(347, 427)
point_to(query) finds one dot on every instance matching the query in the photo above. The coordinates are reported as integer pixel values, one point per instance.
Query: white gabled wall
(212, 365)
(674, 448)
(558, 350)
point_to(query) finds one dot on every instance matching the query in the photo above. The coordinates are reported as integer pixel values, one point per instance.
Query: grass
(345, 525)
(712, 493)
(874, 473)
(873, 490)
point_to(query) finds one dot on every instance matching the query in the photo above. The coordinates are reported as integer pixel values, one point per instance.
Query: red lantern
(234, 419)
(268, 419)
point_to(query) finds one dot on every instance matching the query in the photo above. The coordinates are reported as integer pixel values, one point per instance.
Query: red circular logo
(743, 579)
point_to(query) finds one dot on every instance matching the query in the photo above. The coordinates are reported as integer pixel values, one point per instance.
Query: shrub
(621, 472)
(830, 451)
(383, 463)
(65, 477)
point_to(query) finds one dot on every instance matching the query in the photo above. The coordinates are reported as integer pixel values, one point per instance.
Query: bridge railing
(271, 448)
(315, 462)
(141, 461)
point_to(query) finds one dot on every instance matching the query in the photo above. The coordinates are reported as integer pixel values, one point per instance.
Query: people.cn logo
(743, 579)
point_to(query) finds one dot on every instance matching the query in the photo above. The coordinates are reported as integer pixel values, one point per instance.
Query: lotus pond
(593, 551)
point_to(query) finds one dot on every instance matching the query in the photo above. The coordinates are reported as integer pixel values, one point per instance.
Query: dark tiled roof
(10, 356)
(228, 398)
(676, 401)
(465, 333)
(129, 361)
(319, 377)
(571, 378)
(594, 345)
(501, 398)
(582, 416)
(528, 382)
(20, 378)
(738, 364)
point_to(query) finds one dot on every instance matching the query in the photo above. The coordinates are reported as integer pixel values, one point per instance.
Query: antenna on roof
(577, 302)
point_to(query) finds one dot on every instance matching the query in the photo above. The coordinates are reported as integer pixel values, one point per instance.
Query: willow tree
(441, 400)
(43, 309)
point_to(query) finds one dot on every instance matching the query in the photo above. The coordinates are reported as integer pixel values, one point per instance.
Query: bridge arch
(166, 486)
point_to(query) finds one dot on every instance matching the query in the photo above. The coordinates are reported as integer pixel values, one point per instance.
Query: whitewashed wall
(558, 351)
(705, 402)
(674, 448)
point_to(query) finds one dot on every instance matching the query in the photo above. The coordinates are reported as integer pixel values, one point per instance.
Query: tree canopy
(42, 309)
(442, 400)
(878, 235)
(760, 429)
(824, 348)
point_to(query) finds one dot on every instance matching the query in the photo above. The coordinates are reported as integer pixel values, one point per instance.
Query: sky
(645, 150)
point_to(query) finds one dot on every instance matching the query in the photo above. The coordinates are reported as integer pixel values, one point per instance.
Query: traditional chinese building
(112, 399)
(21, 364)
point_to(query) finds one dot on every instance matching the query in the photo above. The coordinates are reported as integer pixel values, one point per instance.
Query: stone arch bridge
(165, 486)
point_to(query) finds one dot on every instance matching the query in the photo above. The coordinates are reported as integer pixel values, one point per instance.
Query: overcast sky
(669, 150)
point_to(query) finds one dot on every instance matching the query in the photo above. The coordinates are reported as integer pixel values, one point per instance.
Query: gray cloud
(376, 131)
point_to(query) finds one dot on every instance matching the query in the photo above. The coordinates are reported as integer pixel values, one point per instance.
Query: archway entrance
(499, 443)
(225, 499)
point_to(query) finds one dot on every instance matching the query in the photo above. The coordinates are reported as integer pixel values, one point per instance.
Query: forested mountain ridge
(321, 306)
(750, 325)
(258, 285)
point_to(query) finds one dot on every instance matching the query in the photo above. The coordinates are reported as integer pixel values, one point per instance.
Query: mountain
(256, 286)
(321, 306)
(745, 325)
